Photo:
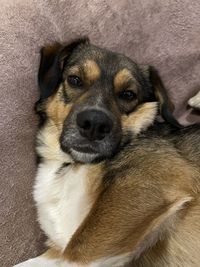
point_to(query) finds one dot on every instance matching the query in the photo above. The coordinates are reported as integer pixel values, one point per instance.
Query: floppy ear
(52, 62)
(164, 220)
(160, 94)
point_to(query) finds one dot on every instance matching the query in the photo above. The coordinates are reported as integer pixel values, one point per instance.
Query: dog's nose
(94, 124)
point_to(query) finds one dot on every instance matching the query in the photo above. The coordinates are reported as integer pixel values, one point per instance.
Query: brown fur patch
(52, 253)
(131, 209)
(56, 109)
(94, 180)
(91, 71)
(141, 119)
(122, 78)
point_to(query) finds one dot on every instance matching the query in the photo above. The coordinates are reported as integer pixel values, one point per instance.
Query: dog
(114, 187)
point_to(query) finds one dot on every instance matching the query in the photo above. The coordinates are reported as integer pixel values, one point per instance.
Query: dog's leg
(195, 101)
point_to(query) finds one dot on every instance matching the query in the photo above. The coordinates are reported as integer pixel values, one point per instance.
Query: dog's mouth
(82, 153)
(85, 153)
(88, 152)
(84, 149)
(82, 156)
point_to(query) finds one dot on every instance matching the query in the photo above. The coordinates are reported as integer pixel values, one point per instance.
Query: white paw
(195, 101)
(40, 262)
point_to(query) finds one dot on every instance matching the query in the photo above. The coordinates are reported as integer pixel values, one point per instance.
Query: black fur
(52, 64)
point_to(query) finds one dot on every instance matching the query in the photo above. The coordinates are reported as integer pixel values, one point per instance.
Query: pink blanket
(164, 33)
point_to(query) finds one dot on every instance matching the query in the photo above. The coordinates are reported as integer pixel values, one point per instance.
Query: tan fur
(143, 117)
(94, 180)
(153, 210)
(91, 71)
(56, 109)
(52, 253)
(121, 79)
(181, 247)
(50, 138)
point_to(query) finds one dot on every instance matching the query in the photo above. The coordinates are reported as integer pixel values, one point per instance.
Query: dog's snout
(94, 124)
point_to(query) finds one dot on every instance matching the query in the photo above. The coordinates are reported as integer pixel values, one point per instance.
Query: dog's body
(138, 203)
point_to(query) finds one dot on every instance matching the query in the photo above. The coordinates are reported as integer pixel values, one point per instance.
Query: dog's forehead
(106, 60)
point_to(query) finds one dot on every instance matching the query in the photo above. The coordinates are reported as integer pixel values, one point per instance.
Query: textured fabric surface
(164, 33)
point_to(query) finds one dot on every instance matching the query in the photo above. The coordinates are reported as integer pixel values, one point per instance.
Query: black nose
(94, 124)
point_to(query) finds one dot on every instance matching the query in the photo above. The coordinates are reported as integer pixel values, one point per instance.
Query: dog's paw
(194, 102)
(40, 262)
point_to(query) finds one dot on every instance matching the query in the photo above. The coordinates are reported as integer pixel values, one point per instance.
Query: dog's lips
(84, 149)
(81, 156)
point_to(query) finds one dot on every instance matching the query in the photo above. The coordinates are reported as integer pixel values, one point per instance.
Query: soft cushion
(165, 34)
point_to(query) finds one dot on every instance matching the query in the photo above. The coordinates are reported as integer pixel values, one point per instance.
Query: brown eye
(127, 95)
(74, 81)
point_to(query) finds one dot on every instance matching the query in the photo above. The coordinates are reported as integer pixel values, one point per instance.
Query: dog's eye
(74, 80)
(127, 95)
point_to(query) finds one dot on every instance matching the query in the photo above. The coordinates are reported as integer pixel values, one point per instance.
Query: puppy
(113, 187)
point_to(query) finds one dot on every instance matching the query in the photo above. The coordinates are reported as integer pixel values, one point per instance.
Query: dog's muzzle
(90, 135)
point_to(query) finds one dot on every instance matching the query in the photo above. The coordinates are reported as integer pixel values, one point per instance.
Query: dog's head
(89, 93)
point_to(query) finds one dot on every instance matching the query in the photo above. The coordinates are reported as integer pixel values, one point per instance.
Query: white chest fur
(62, 200)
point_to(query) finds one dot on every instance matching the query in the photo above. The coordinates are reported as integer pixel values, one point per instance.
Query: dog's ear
(53, 59)
(161, 222)
(159, 93)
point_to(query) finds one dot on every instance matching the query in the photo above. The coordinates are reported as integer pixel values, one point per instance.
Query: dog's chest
(62, 200)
